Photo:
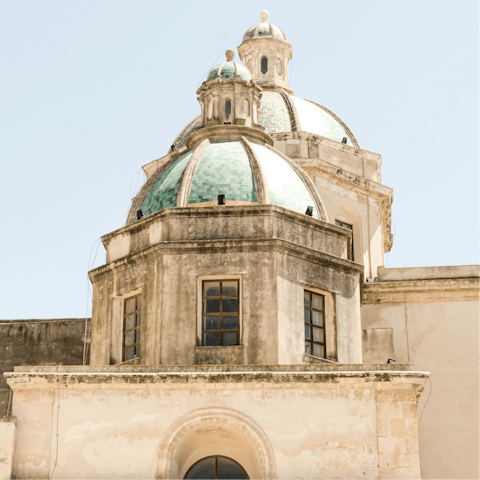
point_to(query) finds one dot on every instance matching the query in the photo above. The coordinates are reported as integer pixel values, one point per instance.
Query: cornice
(349, 180)
(422, 291)
(228, 210)
(223, 133)
(340, 147)
(165, 378)
(223, 246)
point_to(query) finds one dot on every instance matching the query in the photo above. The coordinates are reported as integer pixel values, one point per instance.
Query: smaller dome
(263, 29)
(229, 68)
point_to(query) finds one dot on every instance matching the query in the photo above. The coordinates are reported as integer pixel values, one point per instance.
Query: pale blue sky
(92, 90)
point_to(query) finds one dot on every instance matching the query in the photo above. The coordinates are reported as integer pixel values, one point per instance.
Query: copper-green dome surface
(163, 194)
(227, 70)
(224, 168)
(285, 187)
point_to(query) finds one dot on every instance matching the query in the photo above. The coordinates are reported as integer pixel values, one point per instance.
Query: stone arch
(347, 213)
(215, 431)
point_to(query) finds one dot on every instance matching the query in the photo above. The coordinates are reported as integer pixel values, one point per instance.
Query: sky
(92, 90)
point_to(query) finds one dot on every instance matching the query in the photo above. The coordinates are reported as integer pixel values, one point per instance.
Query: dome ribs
(186, 184)
(292, 111)
(261, 187)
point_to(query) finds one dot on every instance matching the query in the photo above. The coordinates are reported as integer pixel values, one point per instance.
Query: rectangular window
(220, 311)
(132, 320)
(339, 223)
(314, 317)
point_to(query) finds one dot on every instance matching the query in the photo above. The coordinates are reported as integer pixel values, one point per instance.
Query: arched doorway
(216, 467)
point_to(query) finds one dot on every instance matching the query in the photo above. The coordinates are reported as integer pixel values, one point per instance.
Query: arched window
(216, 467)
(228, 107)
(264, 65)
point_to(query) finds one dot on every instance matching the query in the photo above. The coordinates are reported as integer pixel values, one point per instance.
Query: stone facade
(155, 422)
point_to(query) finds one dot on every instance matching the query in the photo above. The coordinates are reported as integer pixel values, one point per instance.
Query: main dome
(280, 112)
(226, 168)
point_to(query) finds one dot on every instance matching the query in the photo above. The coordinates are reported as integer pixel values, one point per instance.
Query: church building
(244, 324)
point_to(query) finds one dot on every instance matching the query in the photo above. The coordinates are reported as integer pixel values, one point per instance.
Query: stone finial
(264, 16)
(230, 54)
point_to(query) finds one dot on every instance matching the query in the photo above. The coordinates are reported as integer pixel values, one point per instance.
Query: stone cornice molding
(340, 147)
(224, 246)
(165, 377)
(227, 133)
(422, 291)
(264, 39)
(231, 211)
(360, 185)
(346, 179)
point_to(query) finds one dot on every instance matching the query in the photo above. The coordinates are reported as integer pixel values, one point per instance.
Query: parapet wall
(39, 342)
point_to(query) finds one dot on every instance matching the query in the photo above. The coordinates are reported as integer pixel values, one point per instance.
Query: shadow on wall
(40, 342)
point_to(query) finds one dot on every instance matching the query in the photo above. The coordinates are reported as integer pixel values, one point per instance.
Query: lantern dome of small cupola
(266, 53)
(229, 69)
(264, 28)
(247, 173)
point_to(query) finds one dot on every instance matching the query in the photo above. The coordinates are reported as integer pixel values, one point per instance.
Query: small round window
(216, 467)
(228, 107)
(264, 65)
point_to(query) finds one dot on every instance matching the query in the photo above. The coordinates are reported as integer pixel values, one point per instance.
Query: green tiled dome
(163, 194)
(227, 70)
(225, 168)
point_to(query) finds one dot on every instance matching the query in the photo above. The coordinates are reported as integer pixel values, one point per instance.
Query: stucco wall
(334, 424)
(435, 322)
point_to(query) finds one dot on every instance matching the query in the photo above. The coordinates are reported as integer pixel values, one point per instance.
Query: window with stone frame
(220, 312)
(132, 321)
(314, 319)
(339, 223)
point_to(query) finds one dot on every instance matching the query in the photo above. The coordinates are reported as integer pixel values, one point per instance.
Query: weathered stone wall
(434, 315)
(274, 253)
(292, 421)
(39, 342)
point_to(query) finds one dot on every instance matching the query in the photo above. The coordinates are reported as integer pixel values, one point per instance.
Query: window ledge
(231, 355)
(311, 359)
(132, 361)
